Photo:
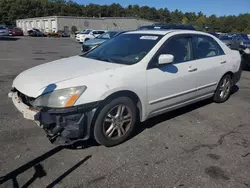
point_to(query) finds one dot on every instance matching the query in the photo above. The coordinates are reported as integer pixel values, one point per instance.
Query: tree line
(10, 10)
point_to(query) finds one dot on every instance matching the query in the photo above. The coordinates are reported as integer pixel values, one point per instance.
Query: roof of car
(164, 32)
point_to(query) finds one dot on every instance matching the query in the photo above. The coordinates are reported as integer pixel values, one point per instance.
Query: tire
(225, 86)
(107, 129)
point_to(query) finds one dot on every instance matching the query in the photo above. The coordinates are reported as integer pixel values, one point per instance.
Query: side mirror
(165, 59)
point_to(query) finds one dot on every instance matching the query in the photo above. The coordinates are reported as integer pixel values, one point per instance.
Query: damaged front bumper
(62, 125)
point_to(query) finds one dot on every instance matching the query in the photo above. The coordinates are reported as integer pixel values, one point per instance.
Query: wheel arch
(230, 73)
(126, 93)
(227, 73)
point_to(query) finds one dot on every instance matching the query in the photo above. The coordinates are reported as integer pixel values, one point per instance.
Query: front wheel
(115, 122)
(223, 90)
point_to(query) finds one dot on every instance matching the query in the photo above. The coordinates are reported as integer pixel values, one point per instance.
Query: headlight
(60, 98)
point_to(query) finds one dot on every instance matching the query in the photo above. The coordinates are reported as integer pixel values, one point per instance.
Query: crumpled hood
(34, 80)
(94, 41)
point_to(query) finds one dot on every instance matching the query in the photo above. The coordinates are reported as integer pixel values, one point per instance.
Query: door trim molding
(182, 93)
(206, 86)
(178, 105)
(172, 96)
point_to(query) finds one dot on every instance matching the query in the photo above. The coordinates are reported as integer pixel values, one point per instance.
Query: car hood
(33, 82)
(94, 41)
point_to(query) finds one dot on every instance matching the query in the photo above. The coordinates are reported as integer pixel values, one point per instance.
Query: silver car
(236, 41)
(92, 43)
(4, 31)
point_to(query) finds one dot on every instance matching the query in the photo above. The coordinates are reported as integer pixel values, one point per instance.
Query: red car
(17, 31)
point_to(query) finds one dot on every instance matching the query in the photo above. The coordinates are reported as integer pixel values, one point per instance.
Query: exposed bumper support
(27, 112)
(62, 125)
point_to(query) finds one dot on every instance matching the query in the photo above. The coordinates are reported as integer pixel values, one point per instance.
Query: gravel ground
(203, 145)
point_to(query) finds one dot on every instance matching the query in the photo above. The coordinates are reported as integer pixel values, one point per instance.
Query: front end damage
(62, 125)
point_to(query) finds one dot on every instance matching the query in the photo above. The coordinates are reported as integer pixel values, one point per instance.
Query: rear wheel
(115, 122)
(223, 90)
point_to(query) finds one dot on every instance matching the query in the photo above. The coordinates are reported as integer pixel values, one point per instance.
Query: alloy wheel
(117, 122)
(225, 88)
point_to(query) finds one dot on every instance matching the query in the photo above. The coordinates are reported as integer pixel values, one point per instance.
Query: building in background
(65, 23)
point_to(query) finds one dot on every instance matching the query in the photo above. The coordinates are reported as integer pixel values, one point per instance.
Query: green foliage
(10, 10)
(184, 20)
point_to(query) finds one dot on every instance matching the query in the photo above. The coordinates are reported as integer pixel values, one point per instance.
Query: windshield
(107, 35)
(225, 38)
(125, 49)
(86, 32)
(244, 36)
(2, 27)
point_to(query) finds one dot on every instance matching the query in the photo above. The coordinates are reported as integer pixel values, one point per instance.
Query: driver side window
(179, 47)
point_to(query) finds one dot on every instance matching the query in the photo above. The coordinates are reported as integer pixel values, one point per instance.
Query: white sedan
(88, 34)
(136, 75)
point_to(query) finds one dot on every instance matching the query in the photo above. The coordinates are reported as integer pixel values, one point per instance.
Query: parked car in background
(136, 75)
(57, 34)
(92, 43)
(167, 26)
(227, 39)
(77, 32)
(214, 34)
(236, 41)
(10, 28)
(239, 42)
(35, 33)
(16, 31)
(4, 31)
(88, 34)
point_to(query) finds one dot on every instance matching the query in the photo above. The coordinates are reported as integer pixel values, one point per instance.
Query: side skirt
(179, 105)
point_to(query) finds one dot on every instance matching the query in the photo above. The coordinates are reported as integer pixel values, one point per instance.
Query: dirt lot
(204, 145)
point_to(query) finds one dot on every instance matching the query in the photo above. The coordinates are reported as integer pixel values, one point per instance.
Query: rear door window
(206, 46)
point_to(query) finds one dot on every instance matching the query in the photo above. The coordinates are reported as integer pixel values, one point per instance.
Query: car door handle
(192, 69)
(223, 62)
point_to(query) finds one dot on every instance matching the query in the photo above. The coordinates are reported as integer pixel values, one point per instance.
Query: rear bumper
(237, 75)
(62, 126)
